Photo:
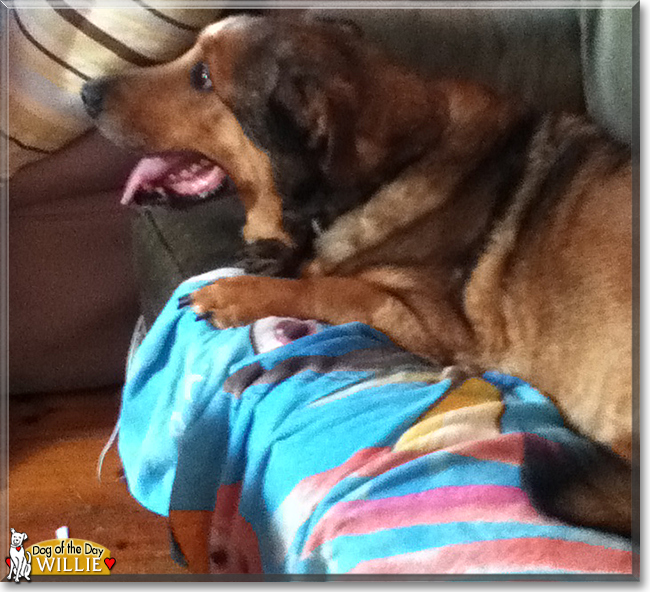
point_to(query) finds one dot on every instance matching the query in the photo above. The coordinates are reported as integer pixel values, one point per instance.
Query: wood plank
(54, 445)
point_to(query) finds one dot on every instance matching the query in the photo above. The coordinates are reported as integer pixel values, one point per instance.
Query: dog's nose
(93, 94)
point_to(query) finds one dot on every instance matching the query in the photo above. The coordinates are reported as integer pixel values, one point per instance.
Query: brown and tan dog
(465, 228)
(162, 111)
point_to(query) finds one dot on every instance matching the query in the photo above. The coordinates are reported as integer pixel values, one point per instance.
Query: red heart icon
(110, 562)
(17, 548)
(8, 561)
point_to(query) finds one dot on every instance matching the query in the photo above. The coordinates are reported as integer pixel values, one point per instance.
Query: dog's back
(533, 241)
(551, 296)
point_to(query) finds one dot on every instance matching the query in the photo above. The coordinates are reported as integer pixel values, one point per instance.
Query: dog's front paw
(226, 303)
(270, 258)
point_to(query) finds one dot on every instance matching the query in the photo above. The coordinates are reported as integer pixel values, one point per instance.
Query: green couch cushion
(609, 40)
(172, 245)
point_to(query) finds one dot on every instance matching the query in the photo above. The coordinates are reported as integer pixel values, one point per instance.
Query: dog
(466, 228)
(20, 560)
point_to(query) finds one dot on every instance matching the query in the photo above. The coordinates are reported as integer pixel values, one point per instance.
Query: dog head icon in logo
(19, 561)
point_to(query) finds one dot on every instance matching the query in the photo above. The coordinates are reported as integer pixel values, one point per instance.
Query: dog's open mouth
(174, 179)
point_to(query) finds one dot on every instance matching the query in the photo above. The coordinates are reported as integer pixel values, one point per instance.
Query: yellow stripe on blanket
(469, 412)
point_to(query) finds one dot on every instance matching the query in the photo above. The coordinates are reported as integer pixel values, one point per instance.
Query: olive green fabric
(533, 54)
(609, 40)
(172, 245)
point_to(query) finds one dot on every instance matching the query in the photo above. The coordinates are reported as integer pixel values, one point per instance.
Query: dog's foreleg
(335, 300)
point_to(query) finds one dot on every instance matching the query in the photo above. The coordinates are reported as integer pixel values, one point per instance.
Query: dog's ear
(298, 112)
(306, 113)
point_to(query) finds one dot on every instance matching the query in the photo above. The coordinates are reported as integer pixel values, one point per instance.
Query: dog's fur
(467, 229)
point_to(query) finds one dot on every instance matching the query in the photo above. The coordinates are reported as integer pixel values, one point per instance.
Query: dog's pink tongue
(182, 173)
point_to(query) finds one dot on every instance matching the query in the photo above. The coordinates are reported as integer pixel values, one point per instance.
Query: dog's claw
(184, 301)
(203, 316)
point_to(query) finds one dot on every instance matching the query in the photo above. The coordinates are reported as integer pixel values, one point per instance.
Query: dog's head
(17, 538)
(193, 145)
(329, 116)
(336, 116)
(167, 112)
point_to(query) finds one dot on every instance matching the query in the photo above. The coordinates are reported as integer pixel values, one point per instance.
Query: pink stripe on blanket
(490, 503)
(507, 448)
(368, 462)
(505, 556)
(306, 495)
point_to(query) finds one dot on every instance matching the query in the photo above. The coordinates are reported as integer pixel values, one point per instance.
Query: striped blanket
(338, 453)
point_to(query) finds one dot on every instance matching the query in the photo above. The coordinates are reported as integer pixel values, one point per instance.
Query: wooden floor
(54, 445)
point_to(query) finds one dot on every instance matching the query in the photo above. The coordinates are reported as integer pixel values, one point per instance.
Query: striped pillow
(53, 49)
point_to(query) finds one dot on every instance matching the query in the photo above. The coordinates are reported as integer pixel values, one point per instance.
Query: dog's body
(20, 566)
(464, 228)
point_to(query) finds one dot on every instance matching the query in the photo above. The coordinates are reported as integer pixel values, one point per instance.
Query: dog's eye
(200, 76)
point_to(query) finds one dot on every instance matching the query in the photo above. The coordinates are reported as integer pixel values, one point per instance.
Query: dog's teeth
(185, 174)
(204, 162)
(195, 168)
